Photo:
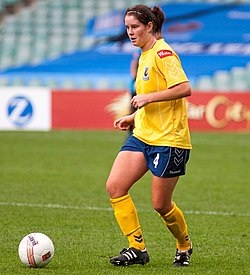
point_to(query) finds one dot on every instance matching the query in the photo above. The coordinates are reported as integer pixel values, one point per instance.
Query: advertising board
(207, 111)
(25, 108)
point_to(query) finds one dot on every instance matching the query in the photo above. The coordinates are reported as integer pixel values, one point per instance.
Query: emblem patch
(164, 53)
(146, 73)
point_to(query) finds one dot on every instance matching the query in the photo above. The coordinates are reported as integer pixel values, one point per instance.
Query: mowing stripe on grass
(91, 208)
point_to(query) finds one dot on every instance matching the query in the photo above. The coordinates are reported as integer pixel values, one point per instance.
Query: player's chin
(134, 42)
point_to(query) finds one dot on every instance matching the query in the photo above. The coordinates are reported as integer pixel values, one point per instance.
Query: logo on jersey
(164, 53)
(146, 73)
(20, 110)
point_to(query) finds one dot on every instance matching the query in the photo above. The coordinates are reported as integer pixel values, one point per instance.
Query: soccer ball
(36, 250)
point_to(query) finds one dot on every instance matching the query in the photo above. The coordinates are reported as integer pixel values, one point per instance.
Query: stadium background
(63, 62)
(52, 77)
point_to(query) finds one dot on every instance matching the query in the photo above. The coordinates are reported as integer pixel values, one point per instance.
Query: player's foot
(131, 256)
(182, 258)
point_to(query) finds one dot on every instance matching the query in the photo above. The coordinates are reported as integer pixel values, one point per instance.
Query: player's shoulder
(163, 50)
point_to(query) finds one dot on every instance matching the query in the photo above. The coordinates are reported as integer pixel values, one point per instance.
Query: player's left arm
(175, 92)
(178, 86)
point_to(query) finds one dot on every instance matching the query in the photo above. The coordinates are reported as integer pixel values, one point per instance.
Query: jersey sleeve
(170, 66)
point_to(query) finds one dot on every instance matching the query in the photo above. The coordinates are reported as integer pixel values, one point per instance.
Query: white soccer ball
(36, 250)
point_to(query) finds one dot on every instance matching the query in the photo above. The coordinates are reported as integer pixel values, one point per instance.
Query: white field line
(91, 208)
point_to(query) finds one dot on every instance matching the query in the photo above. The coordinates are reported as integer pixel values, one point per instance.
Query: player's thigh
(128, 167)
(162, 191)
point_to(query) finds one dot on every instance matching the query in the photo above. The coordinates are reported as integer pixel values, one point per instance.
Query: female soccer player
(160, 141)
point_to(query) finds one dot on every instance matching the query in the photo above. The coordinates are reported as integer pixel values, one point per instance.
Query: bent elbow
(188, 90)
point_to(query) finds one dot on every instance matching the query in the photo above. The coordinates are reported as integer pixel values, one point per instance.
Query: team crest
(146, 73)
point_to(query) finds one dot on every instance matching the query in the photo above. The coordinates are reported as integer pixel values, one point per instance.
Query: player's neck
(149, 45)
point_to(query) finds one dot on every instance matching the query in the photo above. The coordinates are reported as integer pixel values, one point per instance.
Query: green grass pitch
(54, 183)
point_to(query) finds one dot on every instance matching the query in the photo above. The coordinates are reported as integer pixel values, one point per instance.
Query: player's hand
(123, 123)
(139, 101)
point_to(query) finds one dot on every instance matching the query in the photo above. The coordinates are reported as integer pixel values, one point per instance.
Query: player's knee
(162, 207)
(109, 187)
(159, 210)
(114, 190)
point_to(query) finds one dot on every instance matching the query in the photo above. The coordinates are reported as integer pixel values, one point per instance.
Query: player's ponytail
(160, 18)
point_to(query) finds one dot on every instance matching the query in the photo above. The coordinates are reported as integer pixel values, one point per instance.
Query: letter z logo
(20, 110)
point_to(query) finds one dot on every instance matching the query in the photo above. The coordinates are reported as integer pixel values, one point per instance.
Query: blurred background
(65, 64)
(82, 44)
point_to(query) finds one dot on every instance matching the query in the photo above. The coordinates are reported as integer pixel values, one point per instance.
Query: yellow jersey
(161, 123)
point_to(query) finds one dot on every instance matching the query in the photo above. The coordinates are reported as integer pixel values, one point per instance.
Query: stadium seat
(204, 83)
(35, 82)
(48, 30)
(240, 78)
(4, 81)
(222, 81)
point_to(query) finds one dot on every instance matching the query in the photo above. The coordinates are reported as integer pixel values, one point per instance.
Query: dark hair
(146, 14)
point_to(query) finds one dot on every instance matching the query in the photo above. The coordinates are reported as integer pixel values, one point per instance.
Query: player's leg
(162, 191)
(128, 167)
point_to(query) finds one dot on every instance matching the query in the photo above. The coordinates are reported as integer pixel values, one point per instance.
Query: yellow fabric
(161, 123)
(176, 223)
(127, 218)
(136, 240)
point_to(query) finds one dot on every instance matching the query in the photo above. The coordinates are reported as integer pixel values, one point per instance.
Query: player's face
(138, 33)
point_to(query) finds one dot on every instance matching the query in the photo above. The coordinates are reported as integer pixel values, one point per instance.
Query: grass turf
(54, 183)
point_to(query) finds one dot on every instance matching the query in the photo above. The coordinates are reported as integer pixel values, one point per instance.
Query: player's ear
(150, 26)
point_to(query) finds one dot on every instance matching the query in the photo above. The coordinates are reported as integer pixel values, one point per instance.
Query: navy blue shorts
(162, 161)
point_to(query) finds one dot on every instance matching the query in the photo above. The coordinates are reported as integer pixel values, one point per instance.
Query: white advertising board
(25, 108)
